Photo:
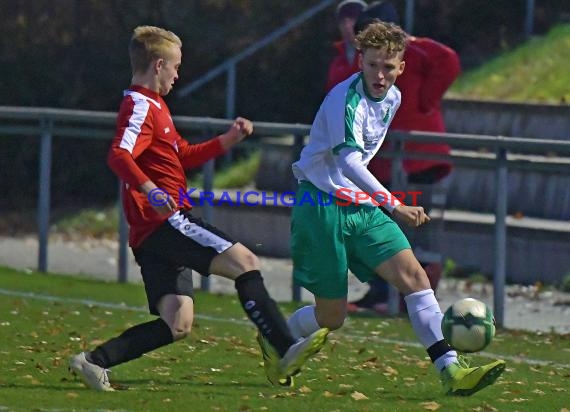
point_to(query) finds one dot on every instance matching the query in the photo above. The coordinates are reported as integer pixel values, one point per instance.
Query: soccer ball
(468, 325)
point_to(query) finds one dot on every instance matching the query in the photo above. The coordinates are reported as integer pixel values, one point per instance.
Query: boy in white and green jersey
(337, 226)
(350, 118)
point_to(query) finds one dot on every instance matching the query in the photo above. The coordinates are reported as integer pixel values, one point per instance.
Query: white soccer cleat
(93, 375)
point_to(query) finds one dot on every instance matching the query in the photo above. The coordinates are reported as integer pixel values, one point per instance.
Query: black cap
(379, 10)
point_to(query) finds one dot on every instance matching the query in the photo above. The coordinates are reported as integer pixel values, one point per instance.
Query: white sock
(303, 322)
(425, 316)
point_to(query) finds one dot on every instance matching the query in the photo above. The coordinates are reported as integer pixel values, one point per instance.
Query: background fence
(501, 155)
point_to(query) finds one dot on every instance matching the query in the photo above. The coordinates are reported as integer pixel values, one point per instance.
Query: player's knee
(181, 330)
(249, 261)
(246, 261)
(233, 262)
(181, 324)
(331, 321)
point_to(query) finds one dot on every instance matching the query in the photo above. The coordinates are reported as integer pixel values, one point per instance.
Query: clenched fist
(240, 128)
(413, 216)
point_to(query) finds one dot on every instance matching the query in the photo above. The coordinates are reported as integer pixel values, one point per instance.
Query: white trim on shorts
(197, 233)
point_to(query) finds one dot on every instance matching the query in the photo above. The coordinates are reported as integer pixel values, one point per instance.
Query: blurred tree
(73, 54)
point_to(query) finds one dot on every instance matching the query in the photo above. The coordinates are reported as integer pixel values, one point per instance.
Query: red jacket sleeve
(441, 68)
(134, 135)
(340, 68)
(195, 155)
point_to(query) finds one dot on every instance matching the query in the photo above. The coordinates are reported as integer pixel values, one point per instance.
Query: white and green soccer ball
(468, 325)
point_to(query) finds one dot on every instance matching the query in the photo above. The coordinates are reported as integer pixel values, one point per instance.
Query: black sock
(132, 344)
(438, 349)
(263, 311)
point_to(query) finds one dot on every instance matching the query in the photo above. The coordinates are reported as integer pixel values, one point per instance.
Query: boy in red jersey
(150, 157)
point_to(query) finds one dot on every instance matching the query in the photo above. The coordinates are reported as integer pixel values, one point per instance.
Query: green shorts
(328, 239)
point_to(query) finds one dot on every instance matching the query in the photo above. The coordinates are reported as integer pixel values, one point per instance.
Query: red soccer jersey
(148, 147)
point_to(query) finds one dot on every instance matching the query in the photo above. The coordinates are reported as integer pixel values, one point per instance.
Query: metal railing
(229, 66)
(503, 153)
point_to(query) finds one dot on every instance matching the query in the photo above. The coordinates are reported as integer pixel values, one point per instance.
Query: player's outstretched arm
(236, 133)
(352, 166)
(195, 155)
(350, 161)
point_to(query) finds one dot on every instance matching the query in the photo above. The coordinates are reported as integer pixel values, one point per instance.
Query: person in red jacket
(345, 61)
(168, 241)
(431, 68)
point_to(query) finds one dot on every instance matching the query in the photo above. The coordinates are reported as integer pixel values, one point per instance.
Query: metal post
(123, 239)
(398, 183)
(230, 102)
(208, 170)
(410, 7)
(500, 238)
(44, 193)
(298, 144)
(231, 92)
(270, 38)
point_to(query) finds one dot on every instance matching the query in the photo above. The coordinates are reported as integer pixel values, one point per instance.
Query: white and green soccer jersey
(348, 117)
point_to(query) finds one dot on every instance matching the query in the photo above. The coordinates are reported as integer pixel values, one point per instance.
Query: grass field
(373, 364)
(535, 71)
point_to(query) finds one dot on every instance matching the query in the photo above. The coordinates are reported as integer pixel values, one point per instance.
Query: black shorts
(167, 257)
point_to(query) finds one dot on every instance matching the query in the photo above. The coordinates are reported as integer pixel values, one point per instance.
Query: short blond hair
(382, 35)
(149, 43)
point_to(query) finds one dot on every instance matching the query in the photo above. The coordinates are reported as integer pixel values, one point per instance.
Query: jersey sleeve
(133, 136)
(195, 155)
(345, 119)
(350, 162)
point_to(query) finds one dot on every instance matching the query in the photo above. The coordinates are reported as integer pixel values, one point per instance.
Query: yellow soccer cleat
(271, 364)
(280, 371)
(460, 380)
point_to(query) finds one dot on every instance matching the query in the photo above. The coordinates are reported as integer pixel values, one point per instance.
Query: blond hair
(149, 43)
(382, 35)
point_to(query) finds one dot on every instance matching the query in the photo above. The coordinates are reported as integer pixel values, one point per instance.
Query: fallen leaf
(388, 371)
(283, 395)
(357, 396)
(431, 406)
